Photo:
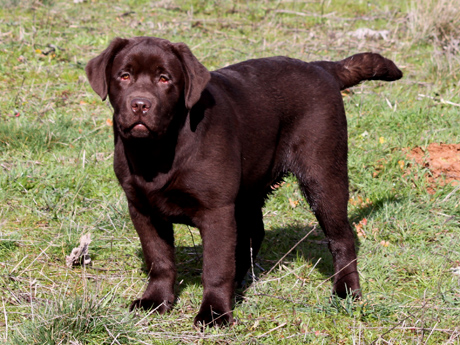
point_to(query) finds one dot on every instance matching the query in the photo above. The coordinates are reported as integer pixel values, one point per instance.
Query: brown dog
(203, 148)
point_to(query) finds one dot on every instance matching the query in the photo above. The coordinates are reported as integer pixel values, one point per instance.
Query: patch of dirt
(443, 161)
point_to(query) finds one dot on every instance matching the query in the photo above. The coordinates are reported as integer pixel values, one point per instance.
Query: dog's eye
(125, 76)
(164, 79)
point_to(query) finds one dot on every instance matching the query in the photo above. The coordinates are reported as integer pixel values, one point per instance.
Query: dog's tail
(364, 66)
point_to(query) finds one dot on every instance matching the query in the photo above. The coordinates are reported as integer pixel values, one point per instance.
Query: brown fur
(203, 148)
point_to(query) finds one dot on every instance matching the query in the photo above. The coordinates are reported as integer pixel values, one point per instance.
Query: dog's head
(148, 80)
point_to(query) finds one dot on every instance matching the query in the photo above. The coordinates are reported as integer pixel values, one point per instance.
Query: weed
(76, 320)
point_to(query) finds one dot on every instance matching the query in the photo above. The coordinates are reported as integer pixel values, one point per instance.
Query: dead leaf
(359, 228)
(293, 203)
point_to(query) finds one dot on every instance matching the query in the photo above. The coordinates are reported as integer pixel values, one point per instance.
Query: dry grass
(436, 21)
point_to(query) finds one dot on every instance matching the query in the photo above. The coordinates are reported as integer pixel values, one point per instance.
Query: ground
(442, 162)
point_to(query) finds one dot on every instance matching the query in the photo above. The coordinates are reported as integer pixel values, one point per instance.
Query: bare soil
(443, 161)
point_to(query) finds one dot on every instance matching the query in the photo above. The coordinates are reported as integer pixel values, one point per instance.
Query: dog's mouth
(139, 130)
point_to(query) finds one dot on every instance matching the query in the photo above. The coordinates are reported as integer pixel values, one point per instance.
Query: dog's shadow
(278, 241)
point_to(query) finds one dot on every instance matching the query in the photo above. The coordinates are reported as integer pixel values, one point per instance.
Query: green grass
(80, 320)
(57, 183)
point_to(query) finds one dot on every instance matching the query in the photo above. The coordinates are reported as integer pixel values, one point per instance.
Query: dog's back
(278, 102)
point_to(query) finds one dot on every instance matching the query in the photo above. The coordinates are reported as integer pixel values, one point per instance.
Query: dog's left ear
(196, 75)
(98, 68)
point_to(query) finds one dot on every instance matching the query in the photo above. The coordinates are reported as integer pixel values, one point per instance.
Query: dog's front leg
(218, 231)
(157, 240)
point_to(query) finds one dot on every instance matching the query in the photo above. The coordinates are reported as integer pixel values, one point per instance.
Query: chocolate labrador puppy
(204, 148)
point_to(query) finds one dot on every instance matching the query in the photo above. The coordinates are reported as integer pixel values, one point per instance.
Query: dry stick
(409, 328)
(313, 267)
(332, 276)
(290, 250)
(450, 194)
(42, 252)
(431, 306)
(31, 297)
(431, 333)
(288, 273)
(112, 291)
(18, 301)
(440, 100)
(252, 265)
(203, 326)
(304, 14)
(397, 326)
(20, 262)
(454, 335)
(151, 311)
(6, 320)
(273, 329)
(114, 338)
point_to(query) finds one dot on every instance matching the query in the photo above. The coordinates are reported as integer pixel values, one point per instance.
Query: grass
(56, 179)
(76, 320)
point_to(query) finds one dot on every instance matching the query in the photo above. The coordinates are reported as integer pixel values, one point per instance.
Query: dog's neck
(148, 157)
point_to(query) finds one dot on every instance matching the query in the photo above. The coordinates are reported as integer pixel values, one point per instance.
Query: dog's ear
(196, 75)
(98, 68)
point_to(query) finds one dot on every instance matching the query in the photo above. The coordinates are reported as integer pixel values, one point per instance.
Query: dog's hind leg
(321, 169)
(250, 235)
(328, 200)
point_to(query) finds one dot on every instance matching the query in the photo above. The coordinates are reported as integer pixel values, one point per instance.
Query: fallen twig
(440, 100)
(273, 329)
(421, 329)
(290, 250)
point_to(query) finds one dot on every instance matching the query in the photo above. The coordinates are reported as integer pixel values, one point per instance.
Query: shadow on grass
(278, 241)
(189, 262)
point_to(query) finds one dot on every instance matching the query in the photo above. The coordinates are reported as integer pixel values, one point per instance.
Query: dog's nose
(140, 105)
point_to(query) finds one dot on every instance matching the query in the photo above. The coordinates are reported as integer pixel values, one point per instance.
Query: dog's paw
(343, 291)
(213, 318)
(148, 304)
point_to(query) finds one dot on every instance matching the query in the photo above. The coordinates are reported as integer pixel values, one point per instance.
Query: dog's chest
(171, 201)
